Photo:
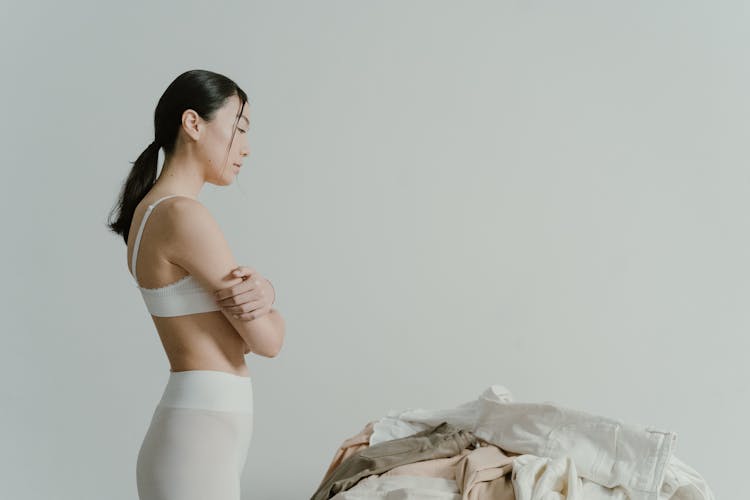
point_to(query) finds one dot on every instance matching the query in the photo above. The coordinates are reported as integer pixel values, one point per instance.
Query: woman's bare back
(201, 341)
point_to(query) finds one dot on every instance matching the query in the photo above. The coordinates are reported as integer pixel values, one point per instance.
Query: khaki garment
(349, 447)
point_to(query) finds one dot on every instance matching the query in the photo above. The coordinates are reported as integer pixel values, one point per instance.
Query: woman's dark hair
(200, 90)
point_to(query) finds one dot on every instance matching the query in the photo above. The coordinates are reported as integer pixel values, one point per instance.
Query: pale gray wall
(552, 196)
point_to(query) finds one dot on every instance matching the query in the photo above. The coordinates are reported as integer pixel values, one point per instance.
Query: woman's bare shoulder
(197, 244)
(191, 231)
(187, 216)
(169, 218)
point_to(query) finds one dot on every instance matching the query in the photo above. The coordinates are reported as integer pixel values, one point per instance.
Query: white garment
(399, 487)
(398, 424)
(537, 478)
(682, 482)
(605, 452)
(543, 478)
(197, 443)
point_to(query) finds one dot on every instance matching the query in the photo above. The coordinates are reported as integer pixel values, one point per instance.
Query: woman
(207, 311)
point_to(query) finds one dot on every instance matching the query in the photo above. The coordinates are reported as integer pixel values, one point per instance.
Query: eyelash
(243, 131)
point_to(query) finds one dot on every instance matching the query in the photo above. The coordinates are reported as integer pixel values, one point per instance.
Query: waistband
(208, 390)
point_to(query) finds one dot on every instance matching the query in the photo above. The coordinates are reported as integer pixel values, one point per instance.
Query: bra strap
(137, 245)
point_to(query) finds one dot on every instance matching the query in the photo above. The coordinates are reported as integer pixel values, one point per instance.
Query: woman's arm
(196, 243)
(273, 327)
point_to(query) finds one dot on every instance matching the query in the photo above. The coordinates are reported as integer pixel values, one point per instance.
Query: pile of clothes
(495, 448)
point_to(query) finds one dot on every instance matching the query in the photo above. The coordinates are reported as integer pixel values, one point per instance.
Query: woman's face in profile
(219, 132)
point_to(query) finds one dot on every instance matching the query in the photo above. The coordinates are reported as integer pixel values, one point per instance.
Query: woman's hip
(208, 390)
(197, 442)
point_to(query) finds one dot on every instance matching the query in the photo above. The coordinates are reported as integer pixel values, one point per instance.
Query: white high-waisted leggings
(197, 443)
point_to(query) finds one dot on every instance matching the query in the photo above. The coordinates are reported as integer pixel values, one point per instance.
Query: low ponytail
(203, 91)
(142, 176)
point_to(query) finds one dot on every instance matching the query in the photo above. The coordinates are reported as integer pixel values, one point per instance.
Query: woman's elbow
(274, 349)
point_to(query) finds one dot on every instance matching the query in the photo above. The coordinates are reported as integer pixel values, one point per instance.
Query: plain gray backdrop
(551, 196)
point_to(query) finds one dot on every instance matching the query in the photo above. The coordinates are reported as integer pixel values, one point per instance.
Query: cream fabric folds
(537, 478)
(604, 450)
(557, 478)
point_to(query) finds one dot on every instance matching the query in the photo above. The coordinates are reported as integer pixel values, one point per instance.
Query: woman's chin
(224, 181)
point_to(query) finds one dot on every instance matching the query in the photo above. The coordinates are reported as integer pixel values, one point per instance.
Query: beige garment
(485, 474)
(480, 474)
(350, 446)
(438, 467)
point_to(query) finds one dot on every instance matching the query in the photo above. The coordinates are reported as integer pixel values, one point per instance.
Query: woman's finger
(239, 288)
(240, 297)
(243, 271)
(247, 306)
(254, 314)
(250, 311)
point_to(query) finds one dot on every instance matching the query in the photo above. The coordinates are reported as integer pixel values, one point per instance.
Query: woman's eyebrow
(245, 117)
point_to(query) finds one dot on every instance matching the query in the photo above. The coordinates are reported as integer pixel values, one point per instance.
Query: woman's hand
(251, 298)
